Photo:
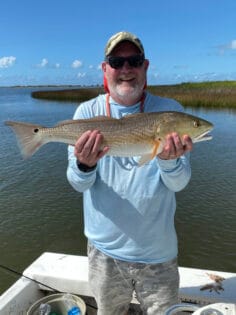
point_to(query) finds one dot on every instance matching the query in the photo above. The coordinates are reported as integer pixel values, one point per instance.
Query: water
(39, 211)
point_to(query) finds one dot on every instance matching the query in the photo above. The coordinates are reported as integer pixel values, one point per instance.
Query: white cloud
(229, 46)
(81, 75)
(233, 44)
(6, 62)
(76, 64)
(43, 63)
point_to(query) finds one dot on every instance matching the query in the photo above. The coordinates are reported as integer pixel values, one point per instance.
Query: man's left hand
(175, 146)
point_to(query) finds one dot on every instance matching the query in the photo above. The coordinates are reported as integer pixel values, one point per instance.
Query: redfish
(141, 134)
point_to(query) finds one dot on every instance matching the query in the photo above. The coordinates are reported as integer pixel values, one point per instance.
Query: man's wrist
(85, 168)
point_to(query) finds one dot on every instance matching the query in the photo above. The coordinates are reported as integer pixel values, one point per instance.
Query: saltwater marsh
(39, 210)
(217, 94)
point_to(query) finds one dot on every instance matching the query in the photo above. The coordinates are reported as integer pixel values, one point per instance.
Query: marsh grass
(75, 95)
(206, 94)
(218, 94)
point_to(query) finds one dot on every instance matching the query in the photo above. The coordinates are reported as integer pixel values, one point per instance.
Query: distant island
(210, 94)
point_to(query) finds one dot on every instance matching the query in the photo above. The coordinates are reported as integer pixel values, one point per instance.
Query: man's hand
(88, 148)
(175, 147)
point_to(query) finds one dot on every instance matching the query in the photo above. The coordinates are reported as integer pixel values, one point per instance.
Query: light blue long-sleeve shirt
(129, 210)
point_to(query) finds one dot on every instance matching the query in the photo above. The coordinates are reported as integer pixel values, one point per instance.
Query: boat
(201, 291)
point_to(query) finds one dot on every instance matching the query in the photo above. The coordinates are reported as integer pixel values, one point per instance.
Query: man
(129, 210)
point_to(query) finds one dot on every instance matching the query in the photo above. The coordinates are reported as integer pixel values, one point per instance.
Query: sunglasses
(134, 61)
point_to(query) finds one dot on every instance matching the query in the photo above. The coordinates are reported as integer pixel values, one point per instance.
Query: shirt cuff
(80, 172)
(85, 168)
(167, 165)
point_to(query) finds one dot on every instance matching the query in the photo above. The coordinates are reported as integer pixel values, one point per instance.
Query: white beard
(127, 95)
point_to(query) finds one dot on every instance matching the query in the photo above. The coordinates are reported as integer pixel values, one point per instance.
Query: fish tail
(28, 136)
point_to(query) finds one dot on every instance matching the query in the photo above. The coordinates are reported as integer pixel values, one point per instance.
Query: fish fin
(76, 121)
(131, 116)
(144, 159)
(101, 117)
(63, 122)
(157, 148)
(28, 137)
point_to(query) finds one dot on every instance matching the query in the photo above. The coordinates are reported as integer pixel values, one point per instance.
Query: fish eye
(36, 130)
(196, 123)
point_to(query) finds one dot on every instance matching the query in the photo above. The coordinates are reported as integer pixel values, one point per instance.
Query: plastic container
(60, 303)
(44, 309)
(72, 308)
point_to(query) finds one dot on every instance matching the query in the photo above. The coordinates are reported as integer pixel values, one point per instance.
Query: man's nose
(126, 65)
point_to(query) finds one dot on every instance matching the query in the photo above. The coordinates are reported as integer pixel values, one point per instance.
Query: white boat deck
(69, 273)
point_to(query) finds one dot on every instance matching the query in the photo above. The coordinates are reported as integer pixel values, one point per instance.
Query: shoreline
(210, 94)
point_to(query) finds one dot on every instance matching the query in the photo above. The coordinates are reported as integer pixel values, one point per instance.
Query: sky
(58, 42)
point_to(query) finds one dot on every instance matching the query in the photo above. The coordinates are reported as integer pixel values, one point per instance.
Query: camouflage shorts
(113, 283)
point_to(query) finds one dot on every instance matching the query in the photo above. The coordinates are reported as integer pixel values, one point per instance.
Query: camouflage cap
(120, 37)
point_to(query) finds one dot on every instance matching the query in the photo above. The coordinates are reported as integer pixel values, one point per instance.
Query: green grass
(216, 94)
(75, 95)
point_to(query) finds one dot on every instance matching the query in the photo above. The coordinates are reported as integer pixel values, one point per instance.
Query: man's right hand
(88, 148)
